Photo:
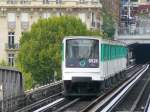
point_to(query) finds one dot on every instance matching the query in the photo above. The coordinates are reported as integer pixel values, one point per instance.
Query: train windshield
(82, 53)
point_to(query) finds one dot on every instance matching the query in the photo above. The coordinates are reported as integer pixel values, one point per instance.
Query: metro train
(90, 64)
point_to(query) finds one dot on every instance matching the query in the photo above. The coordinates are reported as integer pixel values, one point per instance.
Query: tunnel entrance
(141, 52)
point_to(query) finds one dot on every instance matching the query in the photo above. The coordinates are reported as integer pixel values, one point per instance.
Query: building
(128, 12)
(143, 1)
(132, 8)
(134, 17)
(113, 7)
(17, 16)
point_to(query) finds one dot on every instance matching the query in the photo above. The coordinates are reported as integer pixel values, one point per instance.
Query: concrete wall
(130, 39)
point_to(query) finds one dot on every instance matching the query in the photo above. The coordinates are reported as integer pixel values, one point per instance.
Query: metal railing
(12, 46)
(134, 30)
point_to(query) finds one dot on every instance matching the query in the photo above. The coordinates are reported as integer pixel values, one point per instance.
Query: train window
(102, 52)
(105, 52)
(82, 53)
(62, 51)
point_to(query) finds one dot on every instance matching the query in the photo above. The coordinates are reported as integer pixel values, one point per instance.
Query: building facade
(17, 16)
(143, 1)
(113, 7)
(131, 8)
(134, 17)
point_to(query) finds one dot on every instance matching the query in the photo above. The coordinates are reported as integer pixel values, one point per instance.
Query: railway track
(147, 106)
(42, 92)
(40, 103)
(135, 99)
(39, 93)
(81, 104)
(58, 105)
(107, 103)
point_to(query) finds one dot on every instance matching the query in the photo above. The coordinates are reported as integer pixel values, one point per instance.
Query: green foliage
(40, 53)
(28, 81)
(27, 78)
(3, 63)
(108, 26)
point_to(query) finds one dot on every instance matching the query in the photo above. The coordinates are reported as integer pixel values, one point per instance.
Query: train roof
(96, 37)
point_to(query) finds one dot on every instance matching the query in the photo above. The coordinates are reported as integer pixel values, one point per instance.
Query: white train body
(88, 62)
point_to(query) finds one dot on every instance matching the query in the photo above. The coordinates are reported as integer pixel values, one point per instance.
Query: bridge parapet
(132, 35)
(133, 30)
(11, 87)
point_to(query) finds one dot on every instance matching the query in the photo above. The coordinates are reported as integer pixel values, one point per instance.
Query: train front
(81, 66)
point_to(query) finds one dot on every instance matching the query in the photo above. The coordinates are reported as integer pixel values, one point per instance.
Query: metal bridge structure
(141, 35)
(135, 32)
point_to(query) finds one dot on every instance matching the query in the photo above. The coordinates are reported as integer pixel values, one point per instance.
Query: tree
(40, 52)
(3, 63)
(108, 26)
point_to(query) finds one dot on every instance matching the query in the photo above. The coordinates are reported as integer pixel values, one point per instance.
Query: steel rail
(64, 107)
(39, 103)
(51, 105)
(61, 103)
(31, 106)
(139, 97)
(68, 105)
(123, 92)
(104, 101)
(147, 107)
(43, 87)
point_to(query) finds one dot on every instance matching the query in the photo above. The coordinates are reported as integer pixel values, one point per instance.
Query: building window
(24, 17)
(11, 40)
(46, 15)
(82, 1)
(58, 1)
(11, 20)
(93, 18)
(11, 1)
(25, 2)
(45, 1)
(94, 1)
(82, 16)
(24, 20)
(11, 59)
